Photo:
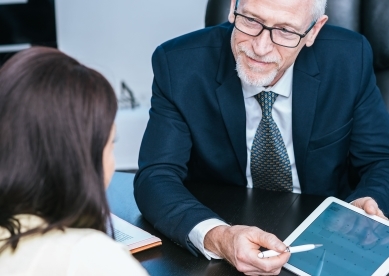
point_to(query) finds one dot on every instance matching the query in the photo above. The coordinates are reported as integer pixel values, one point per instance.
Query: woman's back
(69, 252)
(56, 157)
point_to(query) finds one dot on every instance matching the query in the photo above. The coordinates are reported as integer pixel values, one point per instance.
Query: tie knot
(266, 99)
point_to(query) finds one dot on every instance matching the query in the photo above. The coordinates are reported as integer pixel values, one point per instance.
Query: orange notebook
(135, 238)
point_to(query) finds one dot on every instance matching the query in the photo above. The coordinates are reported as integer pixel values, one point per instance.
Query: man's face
(260, 62)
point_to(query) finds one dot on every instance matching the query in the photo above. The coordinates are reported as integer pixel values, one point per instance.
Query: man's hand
(240, 244)
(369, 205)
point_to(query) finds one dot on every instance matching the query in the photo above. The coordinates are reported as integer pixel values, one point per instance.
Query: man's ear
(315, 30)
(231, 16)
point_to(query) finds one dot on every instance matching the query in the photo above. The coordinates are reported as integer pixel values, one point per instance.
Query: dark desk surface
(278, 213)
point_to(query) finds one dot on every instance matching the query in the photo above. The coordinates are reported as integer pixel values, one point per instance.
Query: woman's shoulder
(98, 254)
(80, 234)
(81, 237)
(69, 252)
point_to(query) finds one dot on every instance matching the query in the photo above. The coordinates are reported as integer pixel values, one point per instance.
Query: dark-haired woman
(56, 157)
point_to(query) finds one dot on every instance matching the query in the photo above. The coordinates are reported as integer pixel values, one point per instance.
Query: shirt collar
(283, 86)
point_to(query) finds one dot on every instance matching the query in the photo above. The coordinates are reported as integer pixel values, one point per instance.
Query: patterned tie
(270, 165)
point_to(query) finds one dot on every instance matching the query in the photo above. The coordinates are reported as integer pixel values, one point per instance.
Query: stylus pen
(291, 249)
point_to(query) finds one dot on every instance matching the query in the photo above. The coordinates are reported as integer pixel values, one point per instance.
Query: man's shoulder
(211, 37)
(334, 33)
(338, 44)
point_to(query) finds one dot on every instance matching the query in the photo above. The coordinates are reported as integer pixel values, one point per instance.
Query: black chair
(370, 18)
(216, 12)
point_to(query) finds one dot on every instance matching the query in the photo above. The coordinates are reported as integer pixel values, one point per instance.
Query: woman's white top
(71, 252)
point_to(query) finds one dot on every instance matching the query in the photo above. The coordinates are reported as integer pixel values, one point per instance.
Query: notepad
(135, 238)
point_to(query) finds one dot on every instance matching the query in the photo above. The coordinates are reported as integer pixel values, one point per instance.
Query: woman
(56, 156)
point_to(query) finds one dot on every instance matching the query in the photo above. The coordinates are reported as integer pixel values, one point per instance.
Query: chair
(216, 12)
(369, 18)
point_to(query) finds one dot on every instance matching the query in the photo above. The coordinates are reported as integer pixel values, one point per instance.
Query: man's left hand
(369, 205)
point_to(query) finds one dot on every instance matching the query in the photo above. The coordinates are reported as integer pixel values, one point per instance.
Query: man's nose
(263, 44)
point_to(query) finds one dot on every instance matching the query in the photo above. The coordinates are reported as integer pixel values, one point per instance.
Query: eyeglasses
(279, 36)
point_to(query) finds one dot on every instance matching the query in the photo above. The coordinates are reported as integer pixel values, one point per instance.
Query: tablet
(354, 243)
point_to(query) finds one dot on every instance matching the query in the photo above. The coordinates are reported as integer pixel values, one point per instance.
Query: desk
(275, 212)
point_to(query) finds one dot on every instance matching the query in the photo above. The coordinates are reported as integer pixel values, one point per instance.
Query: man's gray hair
(318, 8)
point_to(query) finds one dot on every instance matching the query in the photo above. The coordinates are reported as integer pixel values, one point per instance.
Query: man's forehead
(290, 10)
(291, 2)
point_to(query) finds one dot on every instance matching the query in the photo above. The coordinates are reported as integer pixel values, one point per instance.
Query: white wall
(117, 38)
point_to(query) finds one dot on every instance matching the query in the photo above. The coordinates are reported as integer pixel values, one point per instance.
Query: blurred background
(115, 37)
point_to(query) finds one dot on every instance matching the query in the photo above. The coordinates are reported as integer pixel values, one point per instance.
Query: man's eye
(285, 30)
(250, 21)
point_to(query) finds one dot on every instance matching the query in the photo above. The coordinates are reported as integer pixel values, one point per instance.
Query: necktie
(270, 165)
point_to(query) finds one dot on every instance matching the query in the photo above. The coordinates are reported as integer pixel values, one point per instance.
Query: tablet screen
(353, 244)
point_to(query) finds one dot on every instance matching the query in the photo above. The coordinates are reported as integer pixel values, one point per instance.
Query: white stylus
(291, 249)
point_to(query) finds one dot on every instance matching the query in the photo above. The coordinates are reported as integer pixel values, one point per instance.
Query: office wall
(118, 37)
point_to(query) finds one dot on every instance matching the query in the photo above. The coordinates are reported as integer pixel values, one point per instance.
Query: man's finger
(370, 206)
(270, 241)
(381, 215)
(253, 265)
(272, 264)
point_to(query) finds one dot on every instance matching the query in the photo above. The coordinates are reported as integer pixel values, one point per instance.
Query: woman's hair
(55, 120)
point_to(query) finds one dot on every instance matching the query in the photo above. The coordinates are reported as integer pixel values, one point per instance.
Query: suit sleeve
(369, 148)
(165, 151)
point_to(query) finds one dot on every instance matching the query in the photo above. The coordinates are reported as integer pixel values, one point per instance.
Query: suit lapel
(305, 90)
(231, 102)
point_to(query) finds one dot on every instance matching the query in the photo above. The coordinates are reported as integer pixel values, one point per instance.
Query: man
(268, 78)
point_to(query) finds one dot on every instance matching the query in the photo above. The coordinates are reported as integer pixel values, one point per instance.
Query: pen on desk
(291, 249)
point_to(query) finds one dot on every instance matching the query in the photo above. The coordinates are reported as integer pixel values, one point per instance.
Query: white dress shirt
(282, 115)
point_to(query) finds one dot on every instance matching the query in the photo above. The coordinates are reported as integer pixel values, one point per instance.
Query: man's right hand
(240, 244)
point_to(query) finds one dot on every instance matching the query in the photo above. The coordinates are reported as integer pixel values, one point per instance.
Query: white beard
(264, 80)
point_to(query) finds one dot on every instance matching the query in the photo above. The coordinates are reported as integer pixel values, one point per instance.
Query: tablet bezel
(382, 270)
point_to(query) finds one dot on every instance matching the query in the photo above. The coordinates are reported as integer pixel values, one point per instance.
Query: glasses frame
(270, 29)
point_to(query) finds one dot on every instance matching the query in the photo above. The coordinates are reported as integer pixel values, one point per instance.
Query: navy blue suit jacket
(197, 126)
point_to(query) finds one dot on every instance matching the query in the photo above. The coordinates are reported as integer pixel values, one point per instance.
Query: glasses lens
(253, 28)
(247, 25)
(285, 38)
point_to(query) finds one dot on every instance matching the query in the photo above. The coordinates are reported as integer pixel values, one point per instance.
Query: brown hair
(55, 119)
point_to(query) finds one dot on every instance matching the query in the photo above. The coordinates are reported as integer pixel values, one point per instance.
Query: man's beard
(264, 80)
